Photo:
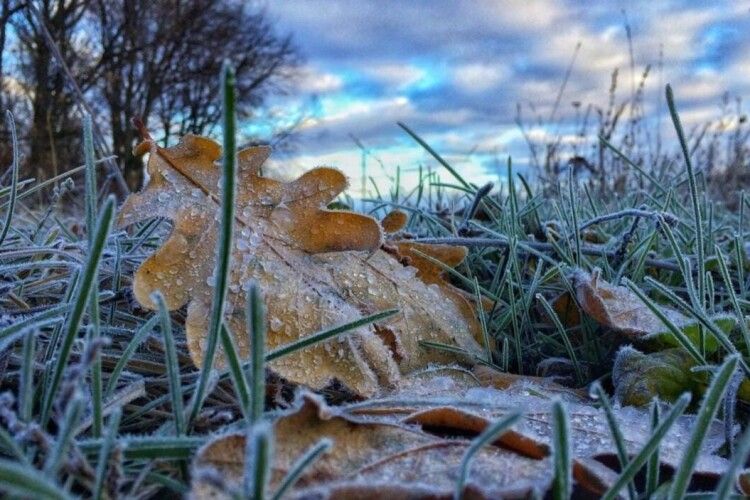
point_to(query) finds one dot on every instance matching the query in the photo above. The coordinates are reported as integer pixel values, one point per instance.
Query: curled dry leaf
(368, 459)
(590, 437)
(618, 308)
(406, 444)
(317, 268)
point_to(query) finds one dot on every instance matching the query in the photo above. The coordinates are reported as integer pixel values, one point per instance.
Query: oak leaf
(590, 437)
(410, 444)
(618, 308)
(317, 268)
(368, 459)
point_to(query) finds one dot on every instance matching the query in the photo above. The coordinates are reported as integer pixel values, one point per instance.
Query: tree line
(119, 59)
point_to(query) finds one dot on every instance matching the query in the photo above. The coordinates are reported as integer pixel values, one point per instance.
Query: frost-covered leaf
(591, 441)
(666, 374)
(618, 308)
(316, 267)
(411, 444)
(543, 386)
(639, 377)
(369, 458)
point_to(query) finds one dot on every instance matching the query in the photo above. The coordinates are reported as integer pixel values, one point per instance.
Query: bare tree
(157, 59)
(160, 60)
(54, 131)
(8, 8)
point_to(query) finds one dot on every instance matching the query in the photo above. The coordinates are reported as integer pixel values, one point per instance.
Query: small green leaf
(639, 377)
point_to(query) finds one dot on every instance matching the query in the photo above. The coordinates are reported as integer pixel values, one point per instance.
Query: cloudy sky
(455, 71)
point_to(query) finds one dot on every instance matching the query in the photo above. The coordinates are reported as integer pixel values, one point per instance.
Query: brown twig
(539, 247)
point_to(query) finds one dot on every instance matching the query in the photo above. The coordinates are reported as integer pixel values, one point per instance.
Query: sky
(455, 71)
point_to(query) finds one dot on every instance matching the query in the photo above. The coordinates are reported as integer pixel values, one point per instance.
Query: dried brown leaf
(395, 221)
(316, 267)
(619, 308)
(370, 457)
(532, 438)
(411, 443)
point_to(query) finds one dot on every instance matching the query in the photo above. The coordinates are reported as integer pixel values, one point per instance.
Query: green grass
(103, 384)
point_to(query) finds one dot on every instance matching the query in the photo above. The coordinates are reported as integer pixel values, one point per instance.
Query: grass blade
(295, 346)
(14, 178)
(25, 481)
(706, 415)
(614, 428)
(435, 155)
(697, 220)
(173, 367)
(738, 461)
(562, 483)
(150, 447)
(256, 324)
(107, 444)
(65, 435)
(140, 335)
(224, 250)
(84, 288)
(26, 382)
(490, 434)
(729, 286)
(235, 370)
(652, 469)
(258, 456)
(635, 464)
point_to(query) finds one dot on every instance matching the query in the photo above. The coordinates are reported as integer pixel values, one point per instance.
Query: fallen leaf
(395, 221)
(639, 377)
(490, 377)
(316, 267)
(411, 445)
(590, 436)
(618, 308)
(371, 457)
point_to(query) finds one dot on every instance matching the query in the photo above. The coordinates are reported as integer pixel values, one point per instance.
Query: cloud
(311, 80)
(396, 76)
(478, 78)
(455, 70)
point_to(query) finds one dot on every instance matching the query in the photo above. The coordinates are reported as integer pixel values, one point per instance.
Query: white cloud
(314, 81)
(492, 54)
(537, 15)
(478, 77)
(397, 75)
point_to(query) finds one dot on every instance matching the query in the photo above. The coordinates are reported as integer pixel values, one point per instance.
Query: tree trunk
(40, 153)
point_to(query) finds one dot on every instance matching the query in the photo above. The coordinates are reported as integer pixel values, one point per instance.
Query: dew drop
(275, 323)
